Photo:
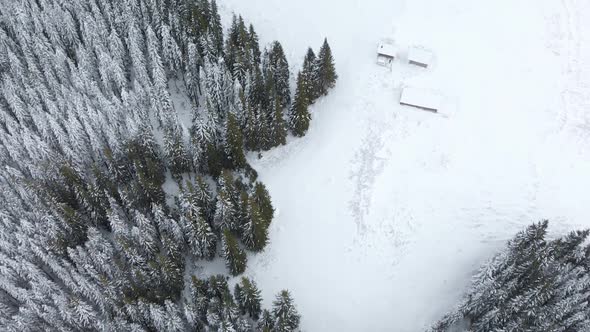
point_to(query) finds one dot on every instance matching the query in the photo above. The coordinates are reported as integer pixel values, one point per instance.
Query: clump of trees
(89, 139)
(315, 79)
(533, 284)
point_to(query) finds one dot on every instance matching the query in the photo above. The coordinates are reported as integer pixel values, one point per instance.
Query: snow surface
(383, 214)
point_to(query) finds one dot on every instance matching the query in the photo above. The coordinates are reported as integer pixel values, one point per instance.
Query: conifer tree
(248, 298)
(235, 257)
(326, 71)
(279, 73)
(263, 201)
(299, 116)
(266, 321)
(285, 314)
(176, 154)
(255, 230)
(226, 210)
(201, 238)
(278, 128)
(309, 74)
(234, 143)
(215, 29)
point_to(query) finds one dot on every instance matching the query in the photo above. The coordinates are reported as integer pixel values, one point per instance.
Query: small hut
(421, 98)
(386, 53)
(420, 57)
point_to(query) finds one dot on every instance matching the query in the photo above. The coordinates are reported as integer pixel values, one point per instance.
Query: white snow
(420, 55)
(420, 98)
(386, 213)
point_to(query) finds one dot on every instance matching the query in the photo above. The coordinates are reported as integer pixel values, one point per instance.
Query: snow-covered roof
(387, 49)
(421, 98)
(420, 55)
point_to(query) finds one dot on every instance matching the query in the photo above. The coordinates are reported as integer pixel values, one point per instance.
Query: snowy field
(384, 211)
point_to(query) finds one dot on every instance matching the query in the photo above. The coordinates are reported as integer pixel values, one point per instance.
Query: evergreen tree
(253, 46)
(248, 298)
(266, 322)
(299, 116)
(278, 72)
(234, 144)
(215, 29)
(201, 238)
(285, 313)
(262, 199)
(326, 71)
(255, 230)
(309, 76)
(278, 128)
(235, 257)
(176, 154)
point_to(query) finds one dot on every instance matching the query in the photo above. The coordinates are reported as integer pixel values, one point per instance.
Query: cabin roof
(421, 98)
(420, 55)
(386, 49)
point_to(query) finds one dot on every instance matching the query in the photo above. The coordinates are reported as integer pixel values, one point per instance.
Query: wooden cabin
(386, 53)
(420, 57)
(421, 98)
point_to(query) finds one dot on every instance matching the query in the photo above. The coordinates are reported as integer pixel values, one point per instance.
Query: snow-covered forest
(193, 165)
(111, 196)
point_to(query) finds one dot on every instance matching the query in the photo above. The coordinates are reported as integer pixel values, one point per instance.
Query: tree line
(89, 135)
(533, 284)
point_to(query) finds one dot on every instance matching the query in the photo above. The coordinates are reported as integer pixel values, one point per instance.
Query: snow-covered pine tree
(278, 127)
(309, 72)
(285, 314)
(215, 29)
(278, 73)
(266, 321)
(235, 257)
(226, 209)
(248, 298)
(193, 63)
(253, 46)
(299, 116)
(255, 230)
(201, 238)
(326, 72)
(174, 147)
(234, 144)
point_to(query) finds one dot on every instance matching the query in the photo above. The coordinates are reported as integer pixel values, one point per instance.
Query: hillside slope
(384, 211)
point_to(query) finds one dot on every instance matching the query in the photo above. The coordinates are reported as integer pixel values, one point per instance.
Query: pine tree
(235, 257)
(326, 71)
(285, 313)
(299, 116)
(266, 322)
(201, 238)
(263, 201)
(255, 230)
(226, 210)
(234, 144)
(278, 128)
(309, 76)
(248, 298)
(215, 29)
(176, 154)
(279, 71)
(192, 67)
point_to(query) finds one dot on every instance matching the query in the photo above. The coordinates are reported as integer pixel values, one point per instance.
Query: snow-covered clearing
(383, 211)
